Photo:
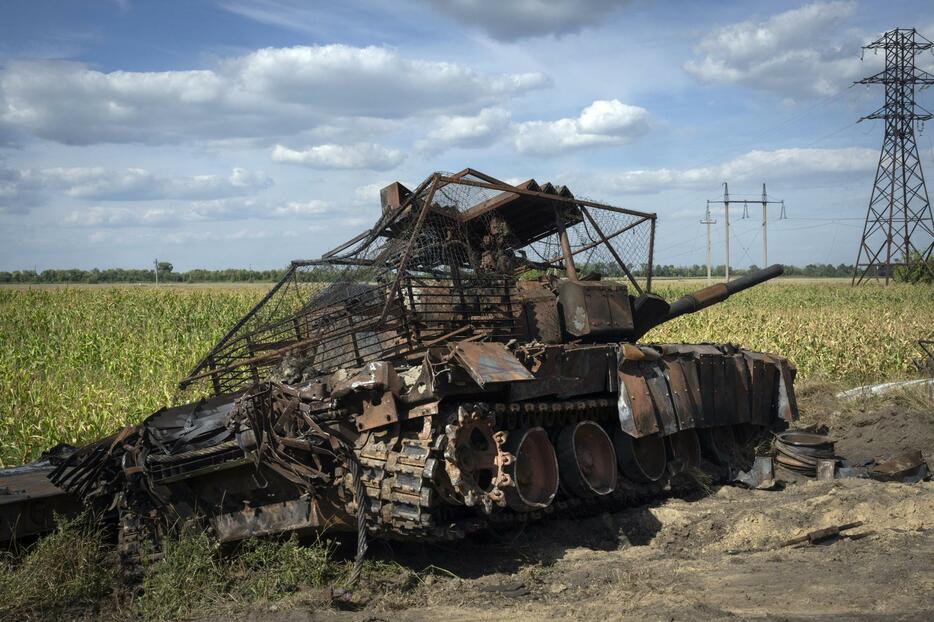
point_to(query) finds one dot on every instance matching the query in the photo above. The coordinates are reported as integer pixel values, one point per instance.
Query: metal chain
(362, 542)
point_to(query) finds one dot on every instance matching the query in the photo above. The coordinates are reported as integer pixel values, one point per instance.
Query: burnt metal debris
(797, 455)
(825, 535)
(465, 364)
(803, 452)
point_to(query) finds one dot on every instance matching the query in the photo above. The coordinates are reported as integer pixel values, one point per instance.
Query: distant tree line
(613, 270)
(810, 270)
(124, 275)
(240, 275)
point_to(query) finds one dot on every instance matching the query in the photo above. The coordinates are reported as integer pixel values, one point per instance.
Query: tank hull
(474, 436)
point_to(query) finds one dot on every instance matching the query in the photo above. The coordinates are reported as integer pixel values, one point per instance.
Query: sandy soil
(716, 557)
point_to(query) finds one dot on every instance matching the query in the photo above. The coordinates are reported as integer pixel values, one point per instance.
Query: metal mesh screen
(441, 263)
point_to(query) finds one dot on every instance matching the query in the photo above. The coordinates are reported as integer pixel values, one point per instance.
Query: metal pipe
(565, 246)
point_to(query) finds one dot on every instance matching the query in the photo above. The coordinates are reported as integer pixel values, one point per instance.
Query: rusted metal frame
(348, 243)
(272, 355)
(407, 330)
(334, 261)
(648, 269)
(236, 327)
(507, 300)
(448, 335)
(384, 221)
(253, 369)
(416, 321)
(273, 336)
(355, 346)
(379, 346)
(389, 328)
(606, 242)
(426, 207)
(587, 247)
(545, 195)
(215, 380)
(458, 287)
(479, 175)
(241, 345)
(337, 356)
(569, 266)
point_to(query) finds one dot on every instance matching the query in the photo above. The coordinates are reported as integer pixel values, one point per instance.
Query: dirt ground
(715, 557)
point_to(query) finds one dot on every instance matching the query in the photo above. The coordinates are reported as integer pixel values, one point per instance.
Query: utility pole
(765, 202)
(899, 219)
(155, 269)
(765, 223)
(726, 226)
(708, 221)
(765, 228)
(726, 223)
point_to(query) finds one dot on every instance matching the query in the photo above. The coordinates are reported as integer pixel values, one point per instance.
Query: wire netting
(441, 264)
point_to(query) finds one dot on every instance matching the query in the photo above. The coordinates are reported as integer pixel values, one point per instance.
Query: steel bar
(586, 247)
(545, 195)
(606, 242)
(400, 268)
(191, 375)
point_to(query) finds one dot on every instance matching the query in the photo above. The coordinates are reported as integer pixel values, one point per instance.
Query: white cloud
(268, 93)
(518, 19)
(604, 122)
(814, 166)
(296, 208)
(356, 156)
(20, 190)
(135, 184)
(23, 189)
(97, 216)
(804, 51)
(480, 130)
(110, 237)
(193, 212)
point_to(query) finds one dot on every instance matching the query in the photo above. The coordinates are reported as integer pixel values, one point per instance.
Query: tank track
(408, 495)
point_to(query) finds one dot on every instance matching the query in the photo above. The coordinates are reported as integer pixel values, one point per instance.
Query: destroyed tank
(472, 361)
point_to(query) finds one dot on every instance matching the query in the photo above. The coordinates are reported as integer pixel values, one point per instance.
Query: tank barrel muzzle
(703, 298)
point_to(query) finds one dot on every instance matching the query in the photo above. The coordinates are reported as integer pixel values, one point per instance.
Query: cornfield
(77, 363)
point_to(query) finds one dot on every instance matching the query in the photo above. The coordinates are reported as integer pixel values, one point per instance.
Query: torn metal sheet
(489, 363)
(636, 408)
(908, 467)
(760, 477)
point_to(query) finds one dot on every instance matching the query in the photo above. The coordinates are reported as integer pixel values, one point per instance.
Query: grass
(74, 573)
(78, 362)
(192, 580)
(67, 570)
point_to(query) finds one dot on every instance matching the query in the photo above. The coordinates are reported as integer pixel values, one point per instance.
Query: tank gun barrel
(713, 294)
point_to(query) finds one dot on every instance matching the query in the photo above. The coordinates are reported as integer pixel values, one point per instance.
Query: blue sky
(234, 133)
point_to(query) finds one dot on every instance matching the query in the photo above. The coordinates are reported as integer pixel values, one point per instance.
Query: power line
(708, 221)
(764, 201)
